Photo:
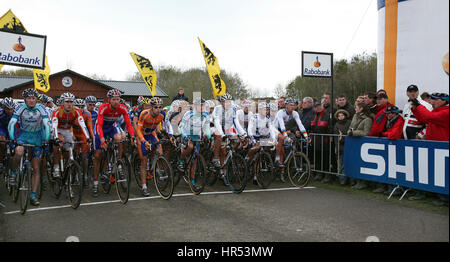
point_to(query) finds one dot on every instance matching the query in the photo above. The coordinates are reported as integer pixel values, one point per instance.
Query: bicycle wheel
(137, 169)
(196, 171)
(163, 177)
(25, 189)
(299, 169)
(236, 174)
(176, 173)
(74, 185)
(7, 173)
(122, 177)
(105, 177)
(264, 170)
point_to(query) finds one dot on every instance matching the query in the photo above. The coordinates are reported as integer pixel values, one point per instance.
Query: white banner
(22, 49)
(317, 64)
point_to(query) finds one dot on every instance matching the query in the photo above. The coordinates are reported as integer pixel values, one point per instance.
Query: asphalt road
(280, 214)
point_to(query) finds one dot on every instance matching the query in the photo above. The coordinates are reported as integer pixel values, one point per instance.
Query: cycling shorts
(108, 132)
(67, 136)
(32, 138)
(143, 152)
(80, 137)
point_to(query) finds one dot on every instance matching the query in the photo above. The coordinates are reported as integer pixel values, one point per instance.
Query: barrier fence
(418, 164)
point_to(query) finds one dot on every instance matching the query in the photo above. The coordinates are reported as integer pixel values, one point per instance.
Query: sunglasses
(157, 107)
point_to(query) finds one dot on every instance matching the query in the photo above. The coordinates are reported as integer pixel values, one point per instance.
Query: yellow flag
(10, 22)
(41, 77)
(147, 72)
(212, 66)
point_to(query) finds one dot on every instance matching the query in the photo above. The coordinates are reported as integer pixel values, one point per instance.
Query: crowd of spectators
(425, 116)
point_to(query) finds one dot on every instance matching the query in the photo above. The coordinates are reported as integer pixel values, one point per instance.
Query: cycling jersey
(195, 124)
(88, 123)
(243, 118)
(261, 126)
(62, 120)
(148, 124)
(226, 122)
(94, 115)
(4, 121)
(283, 117)
(107, 117)
(33, 125)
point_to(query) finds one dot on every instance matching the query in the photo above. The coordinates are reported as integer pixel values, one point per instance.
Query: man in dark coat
(180, 95)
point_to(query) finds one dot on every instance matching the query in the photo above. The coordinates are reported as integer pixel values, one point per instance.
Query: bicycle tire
(15, 189)
(24, 190)
(163, 177)
(137, 169)
(176, 173)
(7, 174)
(123, 183)
(299, 169)
(200, 174)
(264, 170)
(74, 187)
(104, 179)
(236, 174)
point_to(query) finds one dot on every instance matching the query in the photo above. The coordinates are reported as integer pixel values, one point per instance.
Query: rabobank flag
(9, 22)
(22, 49)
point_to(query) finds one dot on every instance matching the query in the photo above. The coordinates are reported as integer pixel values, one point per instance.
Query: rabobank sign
(416, 164)
(316, 64)
(22, 49)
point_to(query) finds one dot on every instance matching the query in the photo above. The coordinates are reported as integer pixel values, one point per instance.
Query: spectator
(426, 97)
(437, 120)
(307, 114)
(180, 95)
(321, 125)
(393, 130)
(299, 106)
(380, 118)
(281, 104)
(413, 126)
(360, 126)
(342, 103)
(371, 100)
(326, 101)
(381, 91)
(342, 125)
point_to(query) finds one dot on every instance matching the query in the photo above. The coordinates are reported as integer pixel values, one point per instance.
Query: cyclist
(90, 105)
(244, 114)
(149, 121)
(106, 126)
(34, 128)
(144, 104)
(283, 116)
(194, 125)
(63, 120)
(225, 124)
(7, 107)
(79, 134)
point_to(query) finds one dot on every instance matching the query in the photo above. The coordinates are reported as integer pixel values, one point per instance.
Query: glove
(350, 132)
(414, 102)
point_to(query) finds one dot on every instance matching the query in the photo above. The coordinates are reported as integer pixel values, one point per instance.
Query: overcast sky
(261, 40)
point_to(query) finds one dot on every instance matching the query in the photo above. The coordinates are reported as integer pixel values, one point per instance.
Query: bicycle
(70, 176)
(118, 171)
(161, 171)
(235, 167)
(23, 187)
(297, 163)
(196, 168)
(262, 164)
(7, 164)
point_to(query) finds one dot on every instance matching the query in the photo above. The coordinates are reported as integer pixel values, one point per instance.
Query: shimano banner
(418, 164)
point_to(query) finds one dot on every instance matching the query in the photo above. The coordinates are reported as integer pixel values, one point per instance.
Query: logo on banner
(19, 47)
(317, 63)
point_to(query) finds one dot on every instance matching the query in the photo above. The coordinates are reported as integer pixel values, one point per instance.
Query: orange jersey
(87, 120)
(148, 124)
(64, 120)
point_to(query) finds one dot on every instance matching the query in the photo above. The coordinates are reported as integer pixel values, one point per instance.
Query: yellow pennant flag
(147, 72)
(41, 78)
(212, 66)
(10, 22)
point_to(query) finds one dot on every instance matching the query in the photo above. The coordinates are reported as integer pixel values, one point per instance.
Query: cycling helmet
(263, 105)
(289, 100)
(58, 101)
(67, 97)
(42, 98)
(139, 100)
(156, 101)
(8, 102)
(226, 96)
(49, 99)
(90, 99)
(273, 107)
(30, 92)
(175, 104)
(145, 101)
(113, 93)
(79, 102)
(122, 101)
(210, 103)
(246, 103)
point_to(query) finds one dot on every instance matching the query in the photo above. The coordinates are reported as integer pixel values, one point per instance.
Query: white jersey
(283, 117)
(261, 126)
(410, 119)
(226, 122)
(243, 118)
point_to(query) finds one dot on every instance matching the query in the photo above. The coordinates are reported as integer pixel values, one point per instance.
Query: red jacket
(396, 131)
(379, 121)
(437, 122)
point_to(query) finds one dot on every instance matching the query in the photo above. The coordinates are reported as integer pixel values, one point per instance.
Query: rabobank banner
(22, 49)
(418, 164)
(316, 64)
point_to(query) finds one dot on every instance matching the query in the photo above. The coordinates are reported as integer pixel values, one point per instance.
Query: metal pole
(332, 94)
